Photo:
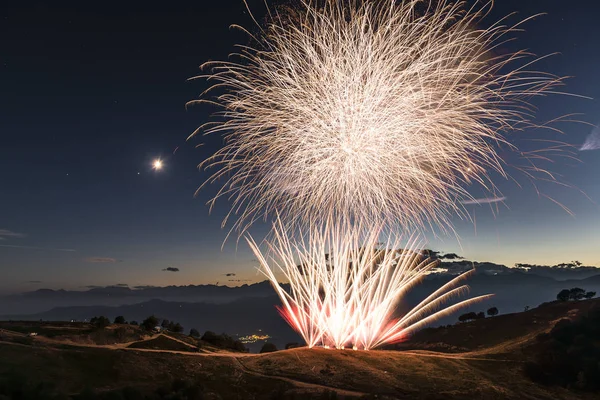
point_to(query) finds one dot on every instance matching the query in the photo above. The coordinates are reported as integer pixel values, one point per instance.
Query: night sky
(91, 93)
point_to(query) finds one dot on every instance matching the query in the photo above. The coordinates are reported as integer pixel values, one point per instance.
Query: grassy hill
(476, 360)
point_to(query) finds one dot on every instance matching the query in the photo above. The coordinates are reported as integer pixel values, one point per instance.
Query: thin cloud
(487, 200)
(36, 248)
(592, 142)
(100, 260)
(171, 269)
(6, 233)
(34, 281)
(230, 274)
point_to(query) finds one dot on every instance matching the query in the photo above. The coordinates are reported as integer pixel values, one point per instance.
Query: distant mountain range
(246, 309)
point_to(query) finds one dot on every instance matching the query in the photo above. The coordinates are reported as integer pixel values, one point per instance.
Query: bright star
(157, 164)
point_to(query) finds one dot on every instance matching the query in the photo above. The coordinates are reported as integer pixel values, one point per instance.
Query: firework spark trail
(357, 119)
(371, 112)
(345, 286)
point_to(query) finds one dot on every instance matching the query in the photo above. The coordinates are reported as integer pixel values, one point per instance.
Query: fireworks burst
(355, 118)
(370, 112)
(345, 286)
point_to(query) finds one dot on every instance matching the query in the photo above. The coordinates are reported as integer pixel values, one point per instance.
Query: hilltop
(479, 359)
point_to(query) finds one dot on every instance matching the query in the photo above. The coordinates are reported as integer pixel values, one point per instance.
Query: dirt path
(299, 384)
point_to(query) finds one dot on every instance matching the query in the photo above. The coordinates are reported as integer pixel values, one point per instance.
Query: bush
(467, 317)
(563, 295)
(492, 312)
(120, 319)
(194, 333)
(590, 295)
(574, 294)
(223, 341)
(175, 327)
(100, 322)
(268, 348)
(149, 323)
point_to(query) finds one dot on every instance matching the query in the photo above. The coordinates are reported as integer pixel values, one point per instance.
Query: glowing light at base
(157, 164)
(345, 286)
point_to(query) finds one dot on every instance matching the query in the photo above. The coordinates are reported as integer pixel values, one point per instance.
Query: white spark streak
(355, 118)
(344, 287)
(370, 112)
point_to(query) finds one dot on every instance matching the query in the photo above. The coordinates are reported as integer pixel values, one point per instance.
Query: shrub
(268, 348)
(120, 319)
(100, 322)
(194, 333)
(149, 323)
(492, 312)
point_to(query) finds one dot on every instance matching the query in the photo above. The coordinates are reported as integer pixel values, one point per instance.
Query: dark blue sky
(91, 93)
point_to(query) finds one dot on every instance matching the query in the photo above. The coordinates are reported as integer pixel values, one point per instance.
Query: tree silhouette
(470, 316)
(120, 319)
(100, 322)
(576, 293)
(194, 333)
(150, 322)
(492, 312)
(563, 295)
(590, 295)
(268, 348)
(165, 323)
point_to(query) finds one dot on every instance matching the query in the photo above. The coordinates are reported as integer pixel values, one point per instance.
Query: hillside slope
(489, 367)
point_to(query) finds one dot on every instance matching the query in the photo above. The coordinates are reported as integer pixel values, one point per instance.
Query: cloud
(93, 287)
(592, 142)
(144, 287)
(171, 269)
(6, 233)
(487, 200)
(230, 274)
(451, 256)
(36, 248)
(100, 260)
(34, 281)
(122, 285)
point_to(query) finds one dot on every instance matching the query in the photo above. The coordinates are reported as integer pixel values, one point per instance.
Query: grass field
(486, 368)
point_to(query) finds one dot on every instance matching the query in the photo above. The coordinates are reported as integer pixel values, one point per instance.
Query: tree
(177, 328)
(100, 322)
(135, 323)
(467, 317)
(165, 323)
(150, 322)
(268, 348)
(480, 315)
(563, 295)
(120, 319)
(492, 312)
(576, 293)
(590, 295)
(194, 333)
